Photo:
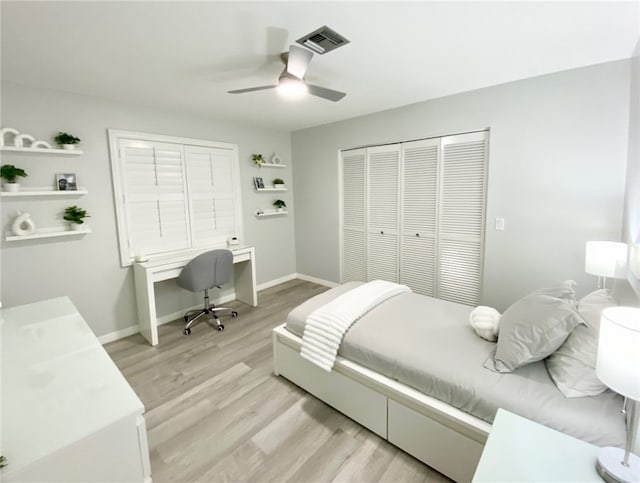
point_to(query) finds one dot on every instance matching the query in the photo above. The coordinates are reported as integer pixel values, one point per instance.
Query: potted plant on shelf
(280, 205)
(9, 173)
(66, 140)
(278, 183)
(76, 216)
(257, 159)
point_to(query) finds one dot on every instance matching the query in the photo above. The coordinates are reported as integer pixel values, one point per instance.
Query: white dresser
(68, 413)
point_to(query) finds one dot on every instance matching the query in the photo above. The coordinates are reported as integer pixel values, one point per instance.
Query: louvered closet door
(354, 254)
(154, 192)
(462, 217)
(383, 212)
(420, 161)
(212, 199)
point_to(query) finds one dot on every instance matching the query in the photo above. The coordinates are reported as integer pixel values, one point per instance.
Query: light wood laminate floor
(216, 412)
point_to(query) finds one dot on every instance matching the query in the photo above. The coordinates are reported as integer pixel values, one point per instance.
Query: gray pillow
(573, 366)
(563, 290)
(531, 329)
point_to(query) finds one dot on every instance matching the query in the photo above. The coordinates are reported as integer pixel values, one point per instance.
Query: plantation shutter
(419, 215)
(211, 181)
(354, 260)
(383, 212)
(461, 231)
(154, 194)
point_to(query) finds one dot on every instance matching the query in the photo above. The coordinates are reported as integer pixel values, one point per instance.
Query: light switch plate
(500, 224)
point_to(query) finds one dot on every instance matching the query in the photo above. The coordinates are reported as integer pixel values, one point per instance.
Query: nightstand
(520, 450)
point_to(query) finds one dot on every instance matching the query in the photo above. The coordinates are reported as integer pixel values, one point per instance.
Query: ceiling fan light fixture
(292, 88)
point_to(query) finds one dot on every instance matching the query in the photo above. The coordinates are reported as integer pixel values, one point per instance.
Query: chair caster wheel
(220, 328)
(186, 331)
(234, 314)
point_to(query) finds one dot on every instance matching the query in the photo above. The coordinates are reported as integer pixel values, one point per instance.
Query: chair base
(189, 321)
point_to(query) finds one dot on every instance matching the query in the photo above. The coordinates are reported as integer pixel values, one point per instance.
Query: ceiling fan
(291, 81)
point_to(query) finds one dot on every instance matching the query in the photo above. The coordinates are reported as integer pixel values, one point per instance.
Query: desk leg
(146, 301)
(245, 280)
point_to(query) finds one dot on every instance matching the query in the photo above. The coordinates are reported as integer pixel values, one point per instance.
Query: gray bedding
(427, 344)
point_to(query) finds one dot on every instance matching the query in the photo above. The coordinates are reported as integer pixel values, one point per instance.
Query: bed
(399, 373)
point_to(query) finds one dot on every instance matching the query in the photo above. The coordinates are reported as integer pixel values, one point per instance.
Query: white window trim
(115, 135)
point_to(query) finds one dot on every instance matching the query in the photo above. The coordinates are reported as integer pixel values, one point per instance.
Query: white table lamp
(618, 367)
(606, 259)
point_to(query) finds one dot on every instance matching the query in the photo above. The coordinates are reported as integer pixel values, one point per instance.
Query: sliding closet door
(419, 215)
(462, 215)
(383, 164)
(354, 255)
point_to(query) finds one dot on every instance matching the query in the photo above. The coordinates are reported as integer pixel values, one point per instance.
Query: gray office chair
(207, 270)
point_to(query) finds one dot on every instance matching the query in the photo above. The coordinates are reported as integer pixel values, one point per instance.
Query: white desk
(68, 413)
(148, 273)
(519, 450)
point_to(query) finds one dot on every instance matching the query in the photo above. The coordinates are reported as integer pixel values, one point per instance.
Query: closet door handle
(417, 234)
(381, 232)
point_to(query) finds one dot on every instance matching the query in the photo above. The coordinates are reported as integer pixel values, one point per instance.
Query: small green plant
(9, 172)
(75, 214)
(66, 138)
(278, 181)
(257, 159)
(3, 461)
(279, 204)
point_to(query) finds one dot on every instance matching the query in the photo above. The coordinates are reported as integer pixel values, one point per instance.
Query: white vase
(76, 226)
(13, 187)
(23, 225)
(69, 147)
(279, 209)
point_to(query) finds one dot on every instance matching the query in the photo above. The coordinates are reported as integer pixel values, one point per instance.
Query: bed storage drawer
(442, 448)
(350, 397)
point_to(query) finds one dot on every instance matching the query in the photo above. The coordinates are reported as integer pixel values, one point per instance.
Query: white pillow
(486, 322)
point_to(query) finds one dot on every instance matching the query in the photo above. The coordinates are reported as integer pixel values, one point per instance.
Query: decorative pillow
(485, 321)
(531, 329)
(564, 290)
(573, 366)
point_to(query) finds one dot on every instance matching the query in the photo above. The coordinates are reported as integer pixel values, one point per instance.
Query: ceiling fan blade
(298, 61)
(325, 93)
(251, 89)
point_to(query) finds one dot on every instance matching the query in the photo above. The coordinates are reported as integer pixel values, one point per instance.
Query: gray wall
(558, 154)
(88, 269)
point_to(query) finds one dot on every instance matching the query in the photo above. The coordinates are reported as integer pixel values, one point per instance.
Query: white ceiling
(184, 56)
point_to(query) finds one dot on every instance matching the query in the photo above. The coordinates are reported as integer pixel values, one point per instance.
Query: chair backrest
(207, 270)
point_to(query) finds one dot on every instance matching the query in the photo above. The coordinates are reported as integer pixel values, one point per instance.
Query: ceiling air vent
(322, 40)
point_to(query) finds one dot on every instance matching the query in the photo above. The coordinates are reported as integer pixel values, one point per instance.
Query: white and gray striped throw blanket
(325, 327)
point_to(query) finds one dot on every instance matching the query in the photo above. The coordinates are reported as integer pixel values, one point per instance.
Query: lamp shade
(618, 363)
(606, 259)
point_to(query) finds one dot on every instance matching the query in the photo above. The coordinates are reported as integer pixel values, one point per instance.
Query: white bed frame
(437, 434)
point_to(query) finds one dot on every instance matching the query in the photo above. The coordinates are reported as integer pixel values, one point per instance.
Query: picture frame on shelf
(66, 182)
(258, 183)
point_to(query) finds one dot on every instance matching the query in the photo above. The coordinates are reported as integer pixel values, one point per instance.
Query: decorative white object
(21, 138)
(69, 147)
(12, 187)
(23, 225)
(605, 259)
(77, 226)
(486, 322)
(233, 241)
(275, 159)
(618, 366)
(7, 130)
(41, 144)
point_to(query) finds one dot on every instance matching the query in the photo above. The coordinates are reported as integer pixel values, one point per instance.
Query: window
(173, 194)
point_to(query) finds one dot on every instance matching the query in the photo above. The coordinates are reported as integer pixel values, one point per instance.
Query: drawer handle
(381, 232)
(417, 234)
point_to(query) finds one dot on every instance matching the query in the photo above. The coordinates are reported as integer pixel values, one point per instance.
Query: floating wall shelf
(271, 188)
(39, 192)
(57, 231)
(273, 165)
(56, 151)
(270, 213)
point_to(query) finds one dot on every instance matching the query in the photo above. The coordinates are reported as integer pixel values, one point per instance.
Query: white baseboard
(118, 334)
(277, 281)
(164, 319)
(319, 281)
